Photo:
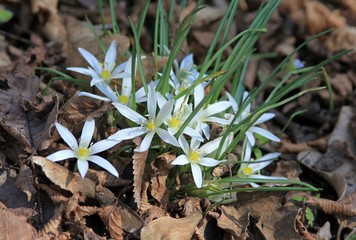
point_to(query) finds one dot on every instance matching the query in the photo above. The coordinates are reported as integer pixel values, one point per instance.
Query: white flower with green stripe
(102, 73)
(84, 151)
(150, 126)
(197, 156)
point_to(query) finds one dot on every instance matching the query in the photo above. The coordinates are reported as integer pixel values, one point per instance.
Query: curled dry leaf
(52, 228)
(119, 217)
(139, 163)
(65, 179)
(234, 221)
(169, 228)
(332, 207)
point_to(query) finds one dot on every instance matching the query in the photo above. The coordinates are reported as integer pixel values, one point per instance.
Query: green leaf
(5, 15)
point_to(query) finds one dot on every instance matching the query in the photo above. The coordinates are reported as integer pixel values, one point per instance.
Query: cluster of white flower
(195, 141)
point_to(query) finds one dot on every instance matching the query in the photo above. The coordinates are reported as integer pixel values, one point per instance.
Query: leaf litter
(50, 201)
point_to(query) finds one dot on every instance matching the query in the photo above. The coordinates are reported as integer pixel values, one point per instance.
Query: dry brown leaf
(154, 213)
(234, 221)
(62, 177)
(139, 164)
(53, 227)
(20, 123)
(9, 226)
(24, 182)
(169, 228)
(332, 207)
(324, 232)
(112, 218)
(104, 195)
(119, 217)
(106, 179)
(160, 169)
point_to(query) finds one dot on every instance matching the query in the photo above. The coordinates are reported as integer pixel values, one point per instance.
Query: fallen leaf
(332, 207)
(324, 232)
(24, 182)
(9, 226)
(139, 164)
(169, 228)
(65, 179)
(234, 221)
(51, 23)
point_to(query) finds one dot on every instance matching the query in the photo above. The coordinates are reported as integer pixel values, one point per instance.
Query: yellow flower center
(123, 99)
(151, 125)
(194, 156)
(83, 153)
(174, 122)
(247, 170)
(105, 74)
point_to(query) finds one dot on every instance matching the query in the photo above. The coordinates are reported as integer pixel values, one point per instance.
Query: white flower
(251, 168)
(196, 156)
(181, 112)
(253, 129)
(102, 74)
(83, 152)
(149, 126)
(204, 115)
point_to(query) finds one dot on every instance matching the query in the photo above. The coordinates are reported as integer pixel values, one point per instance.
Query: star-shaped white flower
(149, 126)
(253, 129)
(251, 168)
(84, 152)
(196, 156)
(102, 74)
(205, 115)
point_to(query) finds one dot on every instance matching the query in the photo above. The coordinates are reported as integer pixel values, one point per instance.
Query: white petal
(83, 166)
(96, 81)
(107, 91)
(183, 144)
(67, 136)
(129, 113)
(102, 146)
(217, 120)
(233, 102)
(197, 174)
(247, 152)
(118, 72)
(259, 176)
(146, 142)
(93, 62)
(193, 134)
(209, 162)
(81, 70)
(265, 117)
(110, 56)
(164, 113)
(198, 94)
(264, 133)
(160, 100)
(104, 164)
(128, 133)
(206, 130)
(126, 87)
(180, 160)
(250, 137)
(217, 107)
(263, 162)
(151, 102)
(86, 94)
(211, 146)
(61, 155)
(187, 62)
(166, 137)
(87, 133)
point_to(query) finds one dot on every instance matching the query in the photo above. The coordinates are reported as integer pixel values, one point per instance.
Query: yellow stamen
(151, 125)
(174, 122)
(83, 153)
(105, 74)
(247, 170)
(194, 156)
(123, 99)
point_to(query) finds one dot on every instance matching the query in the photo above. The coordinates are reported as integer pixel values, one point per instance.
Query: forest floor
(43, 201)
